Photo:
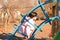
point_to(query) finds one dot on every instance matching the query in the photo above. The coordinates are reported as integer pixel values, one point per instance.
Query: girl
(28, 25)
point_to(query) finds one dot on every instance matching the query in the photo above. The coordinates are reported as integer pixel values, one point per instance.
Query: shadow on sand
(5, 37)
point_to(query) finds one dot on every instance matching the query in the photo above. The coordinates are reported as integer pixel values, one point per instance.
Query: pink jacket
(26, 27)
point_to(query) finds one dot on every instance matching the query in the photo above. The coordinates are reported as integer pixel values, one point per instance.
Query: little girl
(27, 26)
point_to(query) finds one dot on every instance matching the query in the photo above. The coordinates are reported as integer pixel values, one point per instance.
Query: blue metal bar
(43, 9)
(45, 12)
(55, 18)
(38, 1)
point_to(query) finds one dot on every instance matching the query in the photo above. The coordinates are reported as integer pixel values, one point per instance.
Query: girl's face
(34, 18)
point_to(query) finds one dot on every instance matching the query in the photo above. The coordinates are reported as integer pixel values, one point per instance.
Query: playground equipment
(47, 20)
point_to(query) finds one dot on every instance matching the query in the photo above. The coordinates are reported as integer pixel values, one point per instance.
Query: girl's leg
(28, 31)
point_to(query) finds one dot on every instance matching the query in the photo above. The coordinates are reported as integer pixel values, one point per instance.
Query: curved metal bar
(55, 18)
(44, 11)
